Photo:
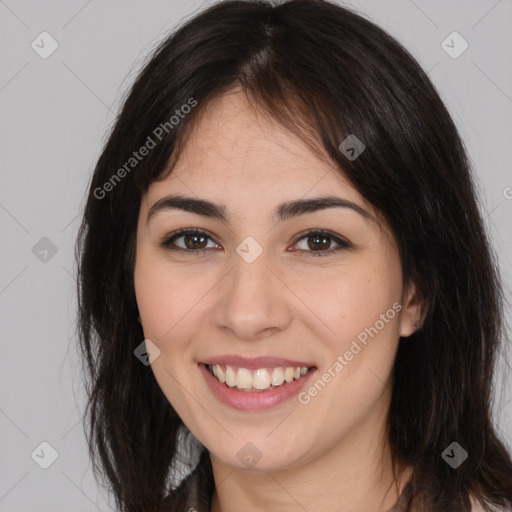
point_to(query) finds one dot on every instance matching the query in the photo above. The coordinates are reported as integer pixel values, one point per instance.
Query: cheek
(353, 301)
(169, 299)
(360, 353)
(168, 306)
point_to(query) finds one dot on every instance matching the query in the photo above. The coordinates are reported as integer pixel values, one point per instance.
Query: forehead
(236, 146)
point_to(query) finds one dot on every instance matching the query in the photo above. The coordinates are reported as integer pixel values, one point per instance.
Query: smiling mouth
(256, 380)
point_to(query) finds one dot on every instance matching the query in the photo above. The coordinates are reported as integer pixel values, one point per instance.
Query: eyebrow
(283, 211)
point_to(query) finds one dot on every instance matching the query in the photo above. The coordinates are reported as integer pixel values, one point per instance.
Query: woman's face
(262, 287)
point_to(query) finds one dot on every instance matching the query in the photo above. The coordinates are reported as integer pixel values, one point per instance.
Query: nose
(253, 301)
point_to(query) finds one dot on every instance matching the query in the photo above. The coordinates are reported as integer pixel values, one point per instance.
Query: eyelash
(168, 240)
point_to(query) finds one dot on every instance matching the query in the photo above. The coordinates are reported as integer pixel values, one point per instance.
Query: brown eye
(194, 241)
(317, 243)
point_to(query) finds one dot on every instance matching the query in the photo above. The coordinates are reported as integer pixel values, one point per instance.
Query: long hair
(324, 72)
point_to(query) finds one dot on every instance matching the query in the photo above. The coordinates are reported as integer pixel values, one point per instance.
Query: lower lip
(251, 401)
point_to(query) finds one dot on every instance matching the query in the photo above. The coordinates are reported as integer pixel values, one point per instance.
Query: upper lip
(255, 362)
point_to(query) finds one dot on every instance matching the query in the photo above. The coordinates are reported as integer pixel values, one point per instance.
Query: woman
(282, 254)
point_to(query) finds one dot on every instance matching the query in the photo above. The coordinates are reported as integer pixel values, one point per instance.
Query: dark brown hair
(324, 72)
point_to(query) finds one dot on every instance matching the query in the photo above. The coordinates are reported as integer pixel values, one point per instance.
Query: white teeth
(217, 371)
(289, 374)
(243, 379)
(230, 377)
(260, 379)
(278, 376)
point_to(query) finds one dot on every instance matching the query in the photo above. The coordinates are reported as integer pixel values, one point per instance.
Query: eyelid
(167, 240)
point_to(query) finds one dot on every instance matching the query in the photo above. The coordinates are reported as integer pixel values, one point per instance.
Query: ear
(412, 313)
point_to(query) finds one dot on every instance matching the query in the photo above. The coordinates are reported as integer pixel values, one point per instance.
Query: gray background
(54, 115)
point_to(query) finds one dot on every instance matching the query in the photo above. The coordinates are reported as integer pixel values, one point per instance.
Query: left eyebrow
(283, 211)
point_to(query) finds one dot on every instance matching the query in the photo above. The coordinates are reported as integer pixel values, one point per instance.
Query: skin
(328, 454)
